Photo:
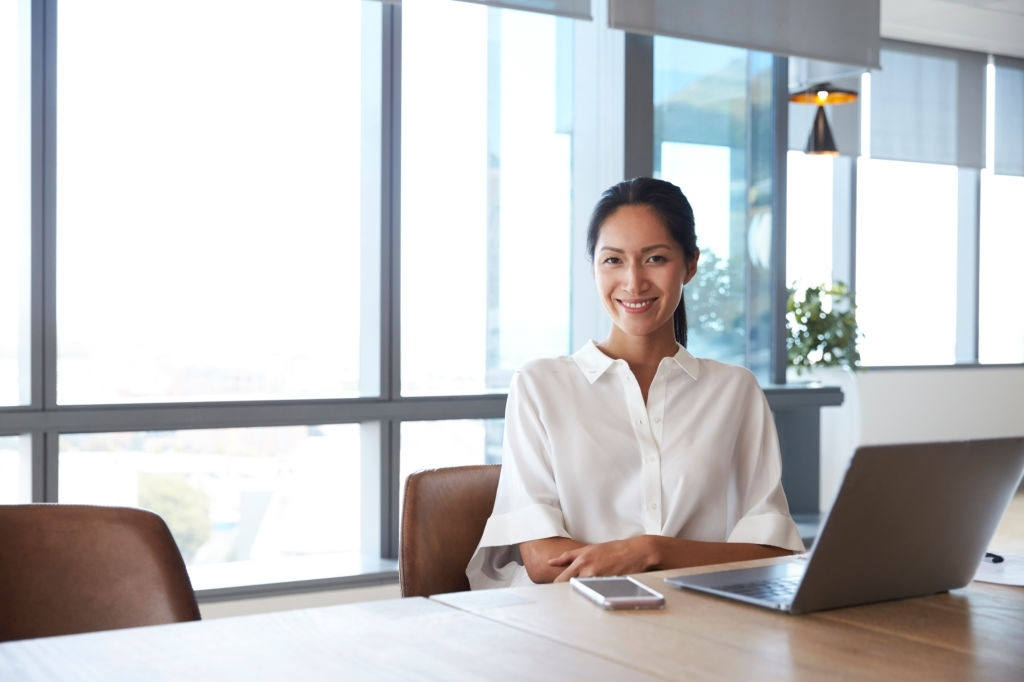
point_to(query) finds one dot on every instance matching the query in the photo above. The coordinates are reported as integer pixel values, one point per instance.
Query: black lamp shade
(820, 140)
(823, 93)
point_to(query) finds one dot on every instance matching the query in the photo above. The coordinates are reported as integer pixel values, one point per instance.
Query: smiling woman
(637, 474)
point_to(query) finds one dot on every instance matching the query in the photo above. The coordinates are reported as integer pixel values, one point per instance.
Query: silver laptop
(909, 520)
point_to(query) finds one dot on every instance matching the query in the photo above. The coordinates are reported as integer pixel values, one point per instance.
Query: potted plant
(821, 326)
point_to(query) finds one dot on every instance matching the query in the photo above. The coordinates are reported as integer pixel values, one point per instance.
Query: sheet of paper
(1009, 571)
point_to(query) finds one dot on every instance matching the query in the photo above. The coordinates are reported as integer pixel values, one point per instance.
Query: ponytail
(679, 321)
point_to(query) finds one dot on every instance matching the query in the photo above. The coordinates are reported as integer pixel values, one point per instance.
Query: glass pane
(906, 262)
(466, 441)
(486, 194)
(15, 469)
(1000, 314)
(712, 138)
(246, 506)
(15, 257)
(209, 217)
(809, 198)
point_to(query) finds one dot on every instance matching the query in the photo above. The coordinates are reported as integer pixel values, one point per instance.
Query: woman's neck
(639, 351)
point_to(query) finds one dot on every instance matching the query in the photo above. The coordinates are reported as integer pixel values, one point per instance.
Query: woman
(632, 455)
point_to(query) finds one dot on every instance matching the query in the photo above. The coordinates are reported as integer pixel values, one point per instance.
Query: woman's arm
(635, 555)
(538, 555)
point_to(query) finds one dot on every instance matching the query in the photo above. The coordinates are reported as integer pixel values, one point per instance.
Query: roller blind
(844, 31)
(1009, 117)
(928, 105)
(576, 9)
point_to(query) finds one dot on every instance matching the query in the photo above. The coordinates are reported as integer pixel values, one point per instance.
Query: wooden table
(399, 639)
(976, 633)
(548, 632)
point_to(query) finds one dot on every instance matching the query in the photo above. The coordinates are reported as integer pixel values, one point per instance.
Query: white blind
(843, 31)
(1009, 117)
(928, 105)
(576, 9)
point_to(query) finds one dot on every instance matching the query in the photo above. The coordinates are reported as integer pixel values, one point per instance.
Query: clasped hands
(617, 557)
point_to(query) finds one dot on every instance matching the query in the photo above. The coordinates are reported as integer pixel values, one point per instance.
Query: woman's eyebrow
(645, 249)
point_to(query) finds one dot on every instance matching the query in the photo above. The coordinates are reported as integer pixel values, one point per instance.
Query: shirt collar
(593, 363)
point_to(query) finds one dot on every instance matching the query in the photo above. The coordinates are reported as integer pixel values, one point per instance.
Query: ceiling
(995, 26)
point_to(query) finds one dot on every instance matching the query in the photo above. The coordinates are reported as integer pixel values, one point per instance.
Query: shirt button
(653, 506)
(657, 420)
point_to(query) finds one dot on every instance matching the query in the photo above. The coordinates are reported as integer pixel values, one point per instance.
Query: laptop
(909, 520)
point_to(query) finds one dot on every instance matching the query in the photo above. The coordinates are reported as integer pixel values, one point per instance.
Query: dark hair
(665, 199)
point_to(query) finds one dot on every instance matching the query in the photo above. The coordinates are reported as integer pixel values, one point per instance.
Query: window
(809, 224)
(246, 506)
(914, 205)
(301, 258)
(465, 442)
(210, 219)
(906, 262)
(15, 472)
(1000, 317)
(716, 148)
(486, 194)
(15, 253)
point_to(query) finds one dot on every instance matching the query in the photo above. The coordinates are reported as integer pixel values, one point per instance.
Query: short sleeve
(526, 506)
(765, 519)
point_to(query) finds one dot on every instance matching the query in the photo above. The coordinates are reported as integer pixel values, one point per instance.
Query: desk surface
(399, 639)
(970, 634)
(550, 632)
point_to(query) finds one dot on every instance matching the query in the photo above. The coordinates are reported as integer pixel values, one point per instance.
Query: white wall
(955, 403)
(912, 406)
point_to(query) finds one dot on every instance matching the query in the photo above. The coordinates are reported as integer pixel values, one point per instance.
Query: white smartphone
(618, 592)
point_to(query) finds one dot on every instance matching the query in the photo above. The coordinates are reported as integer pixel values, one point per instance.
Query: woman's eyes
(615, 260)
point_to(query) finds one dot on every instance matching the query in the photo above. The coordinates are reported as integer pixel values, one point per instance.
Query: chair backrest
(77, 568)
(443, 516)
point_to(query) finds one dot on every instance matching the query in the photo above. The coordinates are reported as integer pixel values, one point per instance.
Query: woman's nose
(634, 279)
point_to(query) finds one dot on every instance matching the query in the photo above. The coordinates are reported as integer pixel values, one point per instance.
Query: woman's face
(640, 271)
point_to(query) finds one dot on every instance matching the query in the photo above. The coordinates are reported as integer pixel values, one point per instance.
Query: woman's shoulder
(728, 373)
(543, 367)
(547, 376)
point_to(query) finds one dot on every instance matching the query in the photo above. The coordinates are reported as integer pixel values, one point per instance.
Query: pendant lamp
(820, 140)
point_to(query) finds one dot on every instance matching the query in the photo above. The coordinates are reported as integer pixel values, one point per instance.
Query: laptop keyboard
(775, 589)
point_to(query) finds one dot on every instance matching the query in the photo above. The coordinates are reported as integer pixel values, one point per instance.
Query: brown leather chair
(443, 517)
(76, 568)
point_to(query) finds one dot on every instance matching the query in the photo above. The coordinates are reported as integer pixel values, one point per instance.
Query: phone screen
(618, 592)
(618, 588)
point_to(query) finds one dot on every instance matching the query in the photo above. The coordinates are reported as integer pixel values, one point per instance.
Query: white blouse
(585, 458)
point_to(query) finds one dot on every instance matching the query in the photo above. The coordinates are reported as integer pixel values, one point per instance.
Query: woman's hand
(558, 559)
(618, 557)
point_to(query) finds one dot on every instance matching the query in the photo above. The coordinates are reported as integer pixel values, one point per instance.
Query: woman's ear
(691, 267)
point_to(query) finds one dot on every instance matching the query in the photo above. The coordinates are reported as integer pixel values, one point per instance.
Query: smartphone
(618, 592)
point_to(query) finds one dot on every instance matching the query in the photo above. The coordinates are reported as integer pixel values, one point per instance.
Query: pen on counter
(993, 558)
